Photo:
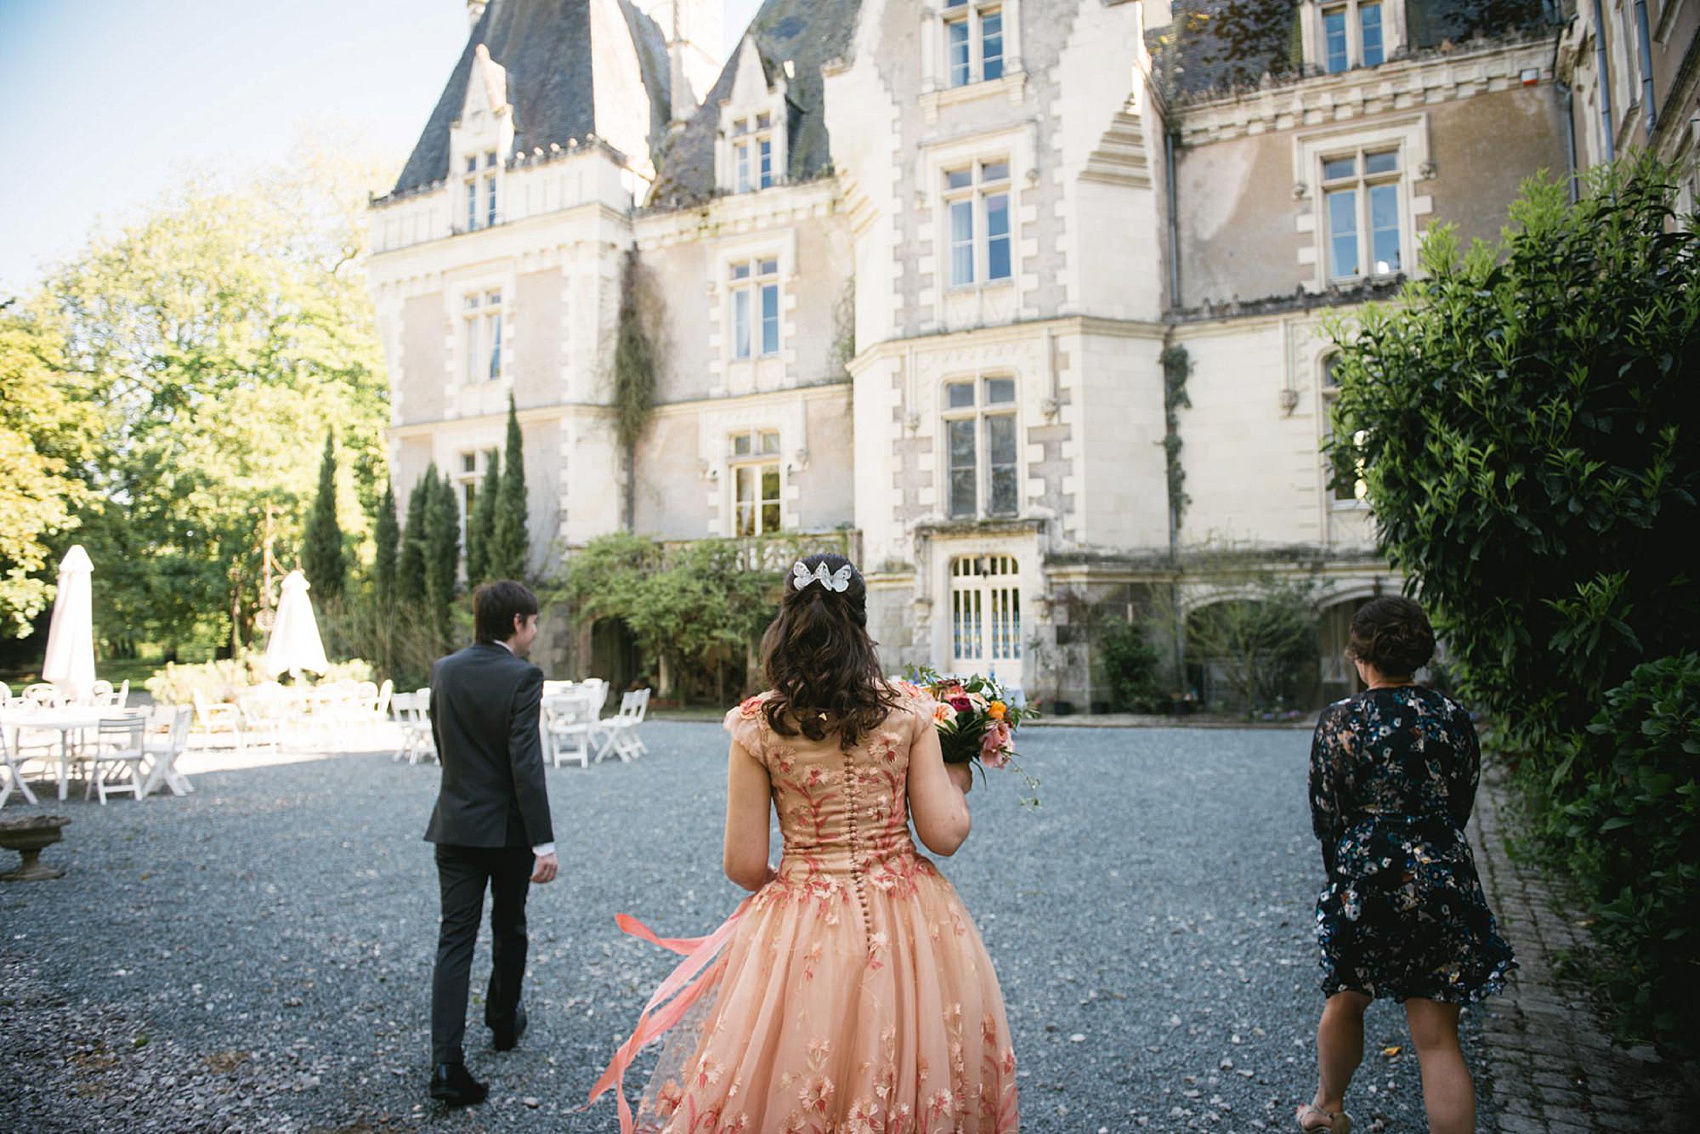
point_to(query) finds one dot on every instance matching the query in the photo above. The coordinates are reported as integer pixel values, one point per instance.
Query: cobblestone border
(1551, 1065)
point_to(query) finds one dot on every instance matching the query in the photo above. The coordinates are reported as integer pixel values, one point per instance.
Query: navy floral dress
(1393, 776)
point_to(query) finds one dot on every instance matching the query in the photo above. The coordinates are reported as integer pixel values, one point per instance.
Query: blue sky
(104, 104)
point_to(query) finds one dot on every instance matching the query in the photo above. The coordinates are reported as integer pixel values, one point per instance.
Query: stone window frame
(723, 419)
(758, 457)
(749, 133)
(468, 481)
(747, 105)
(987, 585)
(937, 88)
(979, 412)
(724, 364)
(977, 191)
(1394, 35)
(1328, 392)
(755, 282)
(1014, 143)
(1408, 134)
(473, 337)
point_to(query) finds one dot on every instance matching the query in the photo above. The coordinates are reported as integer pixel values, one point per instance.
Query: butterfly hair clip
(838, 580)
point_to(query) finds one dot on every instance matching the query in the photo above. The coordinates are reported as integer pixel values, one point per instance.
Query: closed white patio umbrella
(70, 636)
(295, 644)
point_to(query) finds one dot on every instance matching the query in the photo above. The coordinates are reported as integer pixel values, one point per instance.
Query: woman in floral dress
(1393, 776)
(850, 992)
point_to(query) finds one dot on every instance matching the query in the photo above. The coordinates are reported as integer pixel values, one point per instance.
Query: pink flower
(995, 746)
(750, 707)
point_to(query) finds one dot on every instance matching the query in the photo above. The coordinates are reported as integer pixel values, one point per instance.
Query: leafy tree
(1263, 641)
(1525, 426)
(387, 537)
(46, 432)
(1133, 666)
(322, 555)
(212, 333)
(410, 565)
(442, 553)
(481, 526)
(509, 543)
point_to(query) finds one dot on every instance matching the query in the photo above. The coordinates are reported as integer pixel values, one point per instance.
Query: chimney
(475, 12)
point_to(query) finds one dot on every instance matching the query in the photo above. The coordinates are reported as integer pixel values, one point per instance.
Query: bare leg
(1448, 1095)
(1339, 1049)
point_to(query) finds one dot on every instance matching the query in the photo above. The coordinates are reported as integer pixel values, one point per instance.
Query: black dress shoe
(452, 1083)
(506, 1039)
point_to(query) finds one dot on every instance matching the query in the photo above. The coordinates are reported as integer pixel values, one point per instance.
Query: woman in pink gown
(850, 992)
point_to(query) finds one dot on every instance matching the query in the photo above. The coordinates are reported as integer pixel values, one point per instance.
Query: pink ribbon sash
(685, 985)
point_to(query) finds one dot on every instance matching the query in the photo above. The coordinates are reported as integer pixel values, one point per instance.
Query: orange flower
(997, 710)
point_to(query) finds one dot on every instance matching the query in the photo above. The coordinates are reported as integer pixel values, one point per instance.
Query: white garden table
(63, 721)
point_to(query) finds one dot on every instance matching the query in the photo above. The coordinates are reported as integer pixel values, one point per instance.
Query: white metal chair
(105, 695)
(619, 731)
(568, 719)
(413, 713)
(267, 710)
(13, 765)
(43, 695)
(119, 752)
(163, 750)
(215, 721)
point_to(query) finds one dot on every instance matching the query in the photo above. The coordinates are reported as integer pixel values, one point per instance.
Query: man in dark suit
(491, 825)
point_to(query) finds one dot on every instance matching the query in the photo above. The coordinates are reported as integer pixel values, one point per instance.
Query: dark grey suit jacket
(484, 706)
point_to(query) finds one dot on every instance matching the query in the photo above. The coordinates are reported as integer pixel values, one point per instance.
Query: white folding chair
(567, 723)
(119, 751)
(43, 695)
(163, 750)
(13, 765)
(413, 711)
(217, 721)
(620, 730)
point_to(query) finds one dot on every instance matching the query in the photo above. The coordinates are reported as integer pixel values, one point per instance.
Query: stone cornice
(734, 213)
(1403, 84)
(1016, 331)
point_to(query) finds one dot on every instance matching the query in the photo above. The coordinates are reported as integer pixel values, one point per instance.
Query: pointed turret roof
(806, 33)
(547, 49)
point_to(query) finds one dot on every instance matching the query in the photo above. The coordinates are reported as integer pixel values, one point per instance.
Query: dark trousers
(462, 875)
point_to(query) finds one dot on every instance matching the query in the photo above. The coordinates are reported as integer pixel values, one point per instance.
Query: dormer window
(480, 190)
(752, 153)
(490, 187)
(1342, 34)
(973, 41)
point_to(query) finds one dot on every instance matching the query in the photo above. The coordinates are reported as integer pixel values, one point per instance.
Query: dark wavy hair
(1392, 634)
(820, 661)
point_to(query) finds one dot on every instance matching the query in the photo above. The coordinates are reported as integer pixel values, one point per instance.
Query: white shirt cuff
(543, 849)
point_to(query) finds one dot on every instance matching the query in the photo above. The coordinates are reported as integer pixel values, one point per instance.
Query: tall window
(985, 611)
(482, 336)
(1360, 195)
(1352, 35)
(1341, 494)
(752, 153)
(755, 482)
(973, 41)
(976, 200)
(755, 308)
(982, 457)
(473, 466)
(481, 194)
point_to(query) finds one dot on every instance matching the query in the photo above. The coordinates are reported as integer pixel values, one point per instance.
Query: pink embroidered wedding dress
(851, 994)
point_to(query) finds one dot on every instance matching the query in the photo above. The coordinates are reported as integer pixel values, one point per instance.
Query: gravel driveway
(256, 956)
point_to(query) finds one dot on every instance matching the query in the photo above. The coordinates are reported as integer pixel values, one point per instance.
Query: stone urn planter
(28, 836)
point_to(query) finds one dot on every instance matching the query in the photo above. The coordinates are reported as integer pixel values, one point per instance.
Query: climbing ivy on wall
(1177, 364)
(634, 375)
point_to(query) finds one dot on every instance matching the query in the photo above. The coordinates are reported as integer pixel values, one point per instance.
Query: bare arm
(748, 806)
(937, 800)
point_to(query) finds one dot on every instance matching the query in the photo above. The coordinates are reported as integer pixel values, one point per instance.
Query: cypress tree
(442, 553)
(481, 526)
(322, 555)
(509, 544)
(387, 535)
(410, 565)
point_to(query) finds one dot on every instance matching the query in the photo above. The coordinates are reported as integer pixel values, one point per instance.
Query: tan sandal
(1334, 1123)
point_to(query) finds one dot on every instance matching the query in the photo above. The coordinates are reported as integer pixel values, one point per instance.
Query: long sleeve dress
(1393, 776)
(851, 994)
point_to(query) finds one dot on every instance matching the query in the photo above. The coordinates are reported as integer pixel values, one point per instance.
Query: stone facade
(913, 270)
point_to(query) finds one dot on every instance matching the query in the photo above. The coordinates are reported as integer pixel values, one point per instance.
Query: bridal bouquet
(976, 721)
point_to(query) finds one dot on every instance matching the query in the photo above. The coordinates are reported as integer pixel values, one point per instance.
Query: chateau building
(1021, 303)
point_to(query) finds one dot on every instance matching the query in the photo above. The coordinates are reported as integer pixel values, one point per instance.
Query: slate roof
(1215, 46)
(545, 45)
(809, 33)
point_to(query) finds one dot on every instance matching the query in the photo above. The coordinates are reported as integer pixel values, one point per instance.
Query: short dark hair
(496, 605)
(1393, 634)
